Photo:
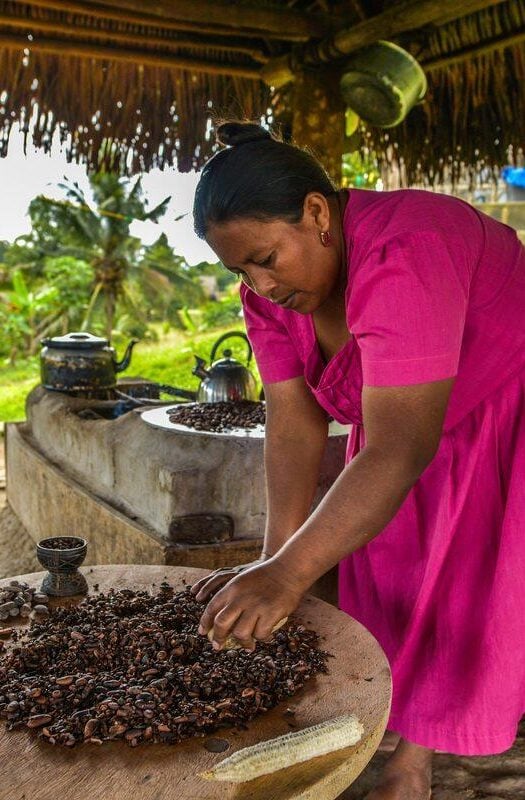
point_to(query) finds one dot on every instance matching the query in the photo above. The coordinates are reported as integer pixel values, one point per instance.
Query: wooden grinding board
(359, 682)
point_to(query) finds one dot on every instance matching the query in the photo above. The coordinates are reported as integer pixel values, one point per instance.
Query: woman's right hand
(203, 587)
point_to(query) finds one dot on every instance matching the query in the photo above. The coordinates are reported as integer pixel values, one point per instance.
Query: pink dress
(435, 289)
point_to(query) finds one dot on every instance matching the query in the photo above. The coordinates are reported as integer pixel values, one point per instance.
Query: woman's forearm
(358, 506)
(292, 466)
(292, 472)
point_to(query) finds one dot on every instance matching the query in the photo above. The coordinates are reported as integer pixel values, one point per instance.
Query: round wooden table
(358, 682)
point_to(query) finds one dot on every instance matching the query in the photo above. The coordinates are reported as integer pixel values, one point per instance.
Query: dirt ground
(490, 778)
(499, 777)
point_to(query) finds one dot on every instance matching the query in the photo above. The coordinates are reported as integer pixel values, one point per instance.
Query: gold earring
(326, 238)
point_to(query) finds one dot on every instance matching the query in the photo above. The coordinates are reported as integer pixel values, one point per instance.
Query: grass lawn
(170, 360)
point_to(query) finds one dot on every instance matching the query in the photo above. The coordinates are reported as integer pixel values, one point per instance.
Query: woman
(402, 313)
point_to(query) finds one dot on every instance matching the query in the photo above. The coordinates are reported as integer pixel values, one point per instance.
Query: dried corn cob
(232, 643)
(291, 748)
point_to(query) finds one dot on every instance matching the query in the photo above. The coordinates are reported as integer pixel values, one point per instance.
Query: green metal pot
(381, 83)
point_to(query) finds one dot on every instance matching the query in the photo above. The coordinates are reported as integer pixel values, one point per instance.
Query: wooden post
(318, 120)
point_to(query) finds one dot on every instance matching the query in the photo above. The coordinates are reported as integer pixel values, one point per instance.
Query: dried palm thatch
(123, 116)
(120, 113)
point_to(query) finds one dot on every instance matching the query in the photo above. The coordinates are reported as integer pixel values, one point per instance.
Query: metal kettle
(81, 362)
(226, 379)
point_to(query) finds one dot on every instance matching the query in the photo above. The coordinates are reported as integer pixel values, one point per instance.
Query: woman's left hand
(250, 605)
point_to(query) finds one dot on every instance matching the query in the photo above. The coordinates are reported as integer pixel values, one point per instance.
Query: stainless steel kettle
(226, 379)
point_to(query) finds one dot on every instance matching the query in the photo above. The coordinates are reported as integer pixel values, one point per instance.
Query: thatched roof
(140, 80)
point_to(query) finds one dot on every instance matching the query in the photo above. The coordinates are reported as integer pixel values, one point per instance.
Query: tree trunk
(110, 303)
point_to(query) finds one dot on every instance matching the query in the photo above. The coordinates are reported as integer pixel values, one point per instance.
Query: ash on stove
(219, 417)
(113, 402)
(112, 410)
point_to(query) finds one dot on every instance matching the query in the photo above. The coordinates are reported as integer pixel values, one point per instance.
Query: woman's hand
(251, 604)
(203, 587)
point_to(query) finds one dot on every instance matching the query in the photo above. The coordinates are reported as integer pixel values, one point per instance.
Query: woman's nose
(262, 282)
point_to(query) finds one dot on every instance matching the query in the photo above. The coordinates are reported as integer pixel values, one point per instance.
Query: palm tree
(165, 280)
(97, 233)
(100, 234)
(99, 271)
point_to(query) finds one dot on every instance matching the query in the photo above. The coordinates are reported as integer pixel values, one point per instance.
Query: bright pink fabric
(435, 289)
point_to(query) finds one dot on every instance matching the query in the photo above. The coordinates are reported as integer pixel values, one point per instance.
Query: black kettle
(81, 362)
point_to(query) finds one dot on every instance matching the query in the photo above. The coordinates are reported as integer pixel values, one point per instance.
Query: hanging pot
(381, 83)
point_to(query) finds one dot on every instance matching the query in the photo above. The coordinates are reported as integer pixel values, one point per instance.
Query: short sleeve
(275, 353)
(407, 309)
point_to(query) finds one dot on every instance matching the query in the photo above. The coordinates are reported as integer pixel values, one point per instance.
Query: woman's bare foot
(389, 742)
(407, 775)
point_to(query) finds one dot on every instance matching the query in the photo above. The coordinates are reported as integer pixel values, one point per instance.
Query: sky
(23, 177)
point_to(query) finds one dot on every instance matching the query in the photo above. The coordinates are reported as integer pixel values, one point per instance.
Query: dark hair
(256, 176)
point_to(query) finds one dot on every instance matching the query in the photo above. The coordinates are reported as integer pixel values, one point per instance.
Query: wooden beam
(202, 16)
(166, 60)
(481, 49)
(118, 37)
(404, 16)
(255, 17)
(115, 16)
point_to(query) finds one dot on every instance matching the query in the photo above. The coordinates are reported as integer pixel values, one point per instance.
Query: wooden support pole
(318, 120)
(398, 18)
(119, 37)
(202, 17)
(166, 60)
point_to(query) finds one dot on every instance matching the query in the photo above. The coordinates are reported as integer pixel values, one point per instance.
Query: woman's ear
(316, 211)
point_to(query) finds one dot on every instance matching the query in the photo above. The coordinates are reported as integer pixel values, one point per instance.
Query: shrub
(217, 313)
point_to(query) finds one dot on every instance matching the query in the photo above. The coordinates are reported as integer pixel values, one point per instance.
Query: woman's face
(284, 262)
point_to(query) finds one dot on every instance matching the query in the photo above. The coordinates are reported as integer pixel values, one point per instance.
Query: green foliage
(15, 332)
(32, 307)
(221, 312)
(360, 170)
(166, 282)
(188, 322)
(129, 327)
(26, 314)
(172, 359)
(225, 278)
(15, 383)
(72, 278)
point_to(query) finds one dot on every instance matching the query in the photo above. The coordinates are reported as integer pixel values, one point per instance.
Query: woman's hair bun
(235, 133)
